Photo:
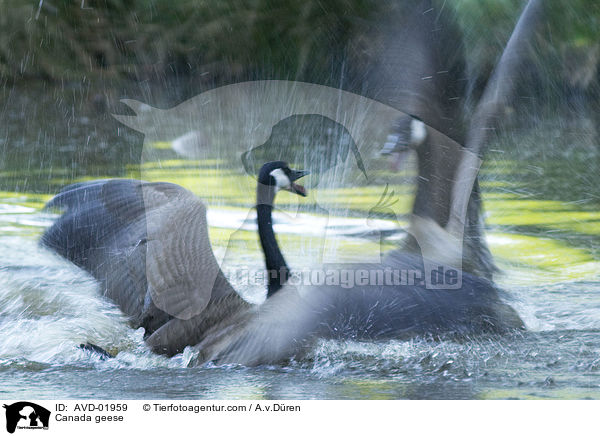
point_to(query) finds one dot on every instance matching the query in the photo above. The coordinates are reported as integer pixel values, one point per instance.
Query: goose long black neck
(277, 269)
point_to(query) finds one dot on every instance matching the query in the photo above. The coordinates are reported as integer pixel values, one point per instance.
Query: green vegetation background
(75, 40)
(64, 64)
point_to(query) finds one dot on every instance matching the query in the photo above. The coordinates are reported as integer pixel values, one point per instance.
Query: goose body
(147, 244)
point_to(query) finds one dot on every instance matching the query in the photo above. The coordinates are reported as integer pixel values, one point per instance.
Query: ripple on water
(48, 307)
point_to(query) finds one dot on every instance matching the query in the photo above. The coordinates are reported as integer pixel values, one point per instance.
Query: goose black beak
(294, 187)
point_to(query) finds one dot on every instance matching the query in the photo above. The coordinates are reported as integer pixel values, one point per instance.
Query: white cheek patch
(282, 181)
(418, 132)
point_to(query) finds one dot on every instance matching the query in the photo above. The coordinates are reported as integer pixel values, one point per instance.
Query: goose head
(409, 134)
(280, 176)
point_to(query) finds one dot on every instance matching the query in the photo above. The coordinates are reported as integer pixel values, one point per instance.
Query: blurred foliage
(95, 49)
(487, 25)
(69, 40)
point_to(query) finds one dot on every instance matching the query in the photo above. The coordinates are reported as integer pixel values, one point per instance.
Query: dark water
(48, 307)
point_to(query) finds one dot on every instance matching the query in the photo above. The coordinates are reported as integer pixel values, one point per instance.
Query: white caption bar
(264, 417)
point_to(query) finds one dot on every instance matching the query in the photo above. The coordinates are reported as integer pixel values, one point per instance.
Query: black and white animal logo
(26, 415)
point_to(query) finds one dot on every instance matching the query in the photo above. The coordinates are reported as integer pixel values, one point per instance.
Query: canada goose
(299, 313)
(110, 229)
(147, 244)
(415, 62)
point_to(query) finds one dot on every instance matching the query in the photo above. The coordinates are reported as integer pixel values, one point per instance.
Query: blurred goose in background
(415, 62)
